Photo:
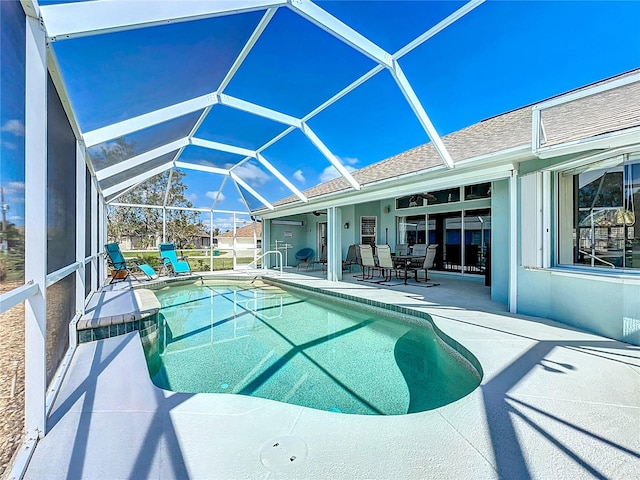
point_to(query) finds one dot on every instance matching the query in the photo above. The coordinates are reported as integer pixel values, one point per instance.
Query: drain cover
(283, 453)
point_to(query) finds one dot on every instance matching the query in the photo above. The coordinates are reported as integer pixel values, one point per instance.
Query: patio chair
(419, 250)
(170, 260)
(321, 260)
(402, 249)
(429, 261)
(385, 262)
(368, 262)
(304, 257)
(121, 269)
(352, 258)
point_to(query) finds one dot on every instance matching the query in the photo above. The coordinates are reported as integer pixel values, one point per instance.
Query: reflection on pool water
(305, 350)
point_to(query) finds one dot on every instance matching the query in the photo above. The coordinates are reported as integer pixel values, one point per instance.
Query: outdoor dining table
(405, 261)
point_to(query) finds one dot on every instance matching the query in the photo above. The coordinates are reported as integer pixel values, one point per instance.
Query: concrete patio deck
(554, 403)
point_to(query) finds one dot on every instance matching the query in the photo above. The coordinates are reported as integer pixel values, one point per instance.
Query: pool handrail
(264, 255)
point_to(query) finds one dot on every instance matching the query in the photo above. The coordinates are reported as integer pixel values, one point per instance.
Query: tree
(145, 224)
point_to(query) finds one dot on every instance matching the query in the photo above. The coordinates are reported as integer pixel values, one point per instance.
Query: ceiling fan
(413, 199)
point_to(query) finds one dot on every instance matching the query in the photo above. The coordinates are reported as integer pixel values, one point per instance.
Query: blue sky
(499, 57)
(12, 111)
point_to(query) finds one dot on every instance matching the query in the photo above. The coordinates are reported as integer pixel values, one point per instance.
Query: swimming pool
(304, 349)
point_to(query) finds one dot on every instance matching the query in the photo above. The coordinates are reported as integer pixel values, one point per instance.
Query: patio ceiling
(241, 92)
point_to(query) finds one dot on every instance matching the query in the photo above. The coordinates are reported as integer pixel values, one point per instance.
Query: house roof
(244, 231)
(603, 112)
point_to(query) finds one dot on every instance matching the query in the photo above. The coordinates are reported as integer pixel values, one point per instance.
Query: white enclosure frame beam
(259, 110)
(35, 225)
(137, 179)
(417, 108)
(348, 89)
(437, 28)
(275, 139)
(91, 18)
(330, 156)
(201, 168)
(222, 147)
(71, 20)
(345, 33)
(140, 159)
(169, 207)
(340, 30)
(135, 124)
(242, 183)
(537, 133)
(122, 192)
(276, 173)
(168, 189)
(264, 21)
(219, 192)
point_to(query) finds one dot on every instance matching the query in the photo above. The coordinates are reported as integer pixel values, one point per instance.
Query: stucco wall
(297, 240)
(350, 235)
(603, 304)
(500, 241)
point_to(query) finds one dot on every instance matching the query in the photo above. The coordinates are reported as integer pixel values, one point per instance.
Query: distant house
(244, 238)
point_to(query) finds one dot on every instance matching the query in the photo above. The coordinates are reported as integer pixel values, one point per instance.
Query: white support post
(255, 238)
(513, 242)
(211, 241)
(36, 230)
(334, 244)
(164, 224)
(102, 239)
(546, 219)
(235, 243)
(95, 283)
(266, 242)
(81, 222)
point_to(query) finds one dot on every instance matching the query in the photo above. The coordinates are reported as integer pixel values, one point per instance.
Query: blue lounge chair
(121, 269)
(171, 261)
(304, 257)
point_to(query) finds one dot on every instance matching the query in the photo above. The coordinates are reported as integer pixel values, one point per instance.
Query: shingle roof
(244, 231)
(596, 114)
(609, 111)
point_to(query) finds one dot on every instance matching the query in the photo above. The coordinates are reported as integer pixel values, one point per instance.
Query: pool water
(309, 351)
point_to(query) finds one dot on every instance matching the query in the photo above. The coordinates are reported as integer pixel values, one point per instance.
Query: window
(448, 195)
(412, 230)
(597, 217)
(368, 230)
(475, 192)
